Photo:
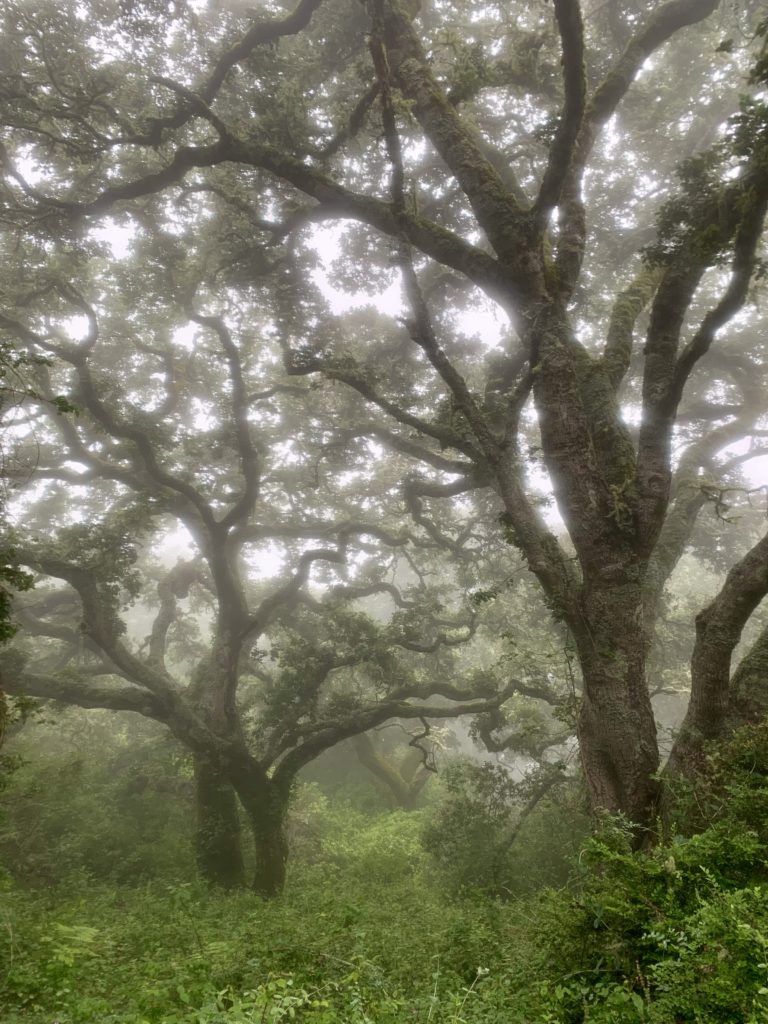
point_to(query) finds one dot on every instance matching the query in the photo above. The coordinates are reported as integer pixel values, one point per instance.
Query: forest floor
(656, 938)
(387, 916)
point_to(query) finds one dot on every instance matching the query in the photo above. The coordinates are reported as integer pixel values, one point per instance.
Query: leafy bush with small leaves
(481, 836)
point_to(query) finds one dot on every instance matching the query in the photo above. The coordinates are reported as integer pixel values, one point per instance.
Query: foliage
(677, 933)
(82, 806)
(478, 840)
(12, 580)
(369, 931)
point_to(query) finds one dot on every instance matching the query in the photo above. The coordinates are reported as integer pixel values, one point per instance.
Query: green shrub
(478, 841)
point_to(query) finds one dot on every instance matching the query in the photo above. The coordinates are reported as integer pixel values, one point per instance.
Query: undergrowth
(368, 932)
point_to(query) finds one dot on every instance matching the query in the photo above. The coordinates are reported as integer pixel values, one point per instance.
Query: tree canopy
(354, 293)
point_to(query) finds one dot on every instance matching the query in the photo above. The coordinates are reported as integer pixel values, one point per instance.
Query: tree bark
(271, 849)
(218, 847)
(718, 703)
(616, 727)
(265, 804)
(749, 686)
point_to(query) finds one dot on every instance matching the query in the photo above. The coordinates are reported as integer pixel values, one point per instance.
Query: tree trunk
(271, 848)
(616, 728)
(749, 686)
(718, 702)
(217, 827)
(265, 806)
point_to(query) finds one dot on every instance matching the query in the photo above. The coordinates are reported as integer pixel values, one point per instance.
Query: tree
(238, 459)
(497, 159)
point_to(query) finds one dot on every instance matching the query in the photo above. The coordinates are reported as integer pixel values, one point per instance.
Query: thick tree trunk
(718, 702)
(749, 686)
(217, 827)
(265, 806)
(616, 728)
(271, 848)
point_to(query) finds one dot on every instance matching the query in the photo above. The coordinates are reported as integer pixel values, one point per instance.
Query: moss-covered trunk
(218, 848)
(271, 849)
(616, 727)
(265, 806)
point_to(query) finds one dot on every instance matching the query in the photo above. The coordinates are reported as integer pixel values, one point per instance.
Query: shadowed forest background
(384, 464)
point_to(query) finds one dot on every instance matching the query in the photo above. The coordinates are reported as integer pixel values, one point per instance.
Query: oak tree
(563, 178)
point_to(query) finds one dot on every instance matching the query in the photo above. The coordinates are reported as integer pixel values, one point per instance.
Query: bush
(481, 836)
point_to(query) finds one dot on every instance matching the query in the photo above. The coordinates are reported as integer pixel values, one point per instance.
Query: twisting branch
(198, 102)
(312, 739)
(85, 694)
(88, 396)
(412, 494)
(75, 641)
(175, 584)
(628, 306)
(260, 33)
(718, 630)
(661, 25)
(571, 29)
(736, 212)
(427, 756)
(441, 639)
(494, 206)
(554, 776)
(322, 530)
(404, 783)
(689, 496)
(422, 333)
(287, 595)
(746, 245)
(99, 623)
(353, 378)
(194, 103)
(419, 326)
(336, 201)
(416, 451)
(249, 456)
(353, 125)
